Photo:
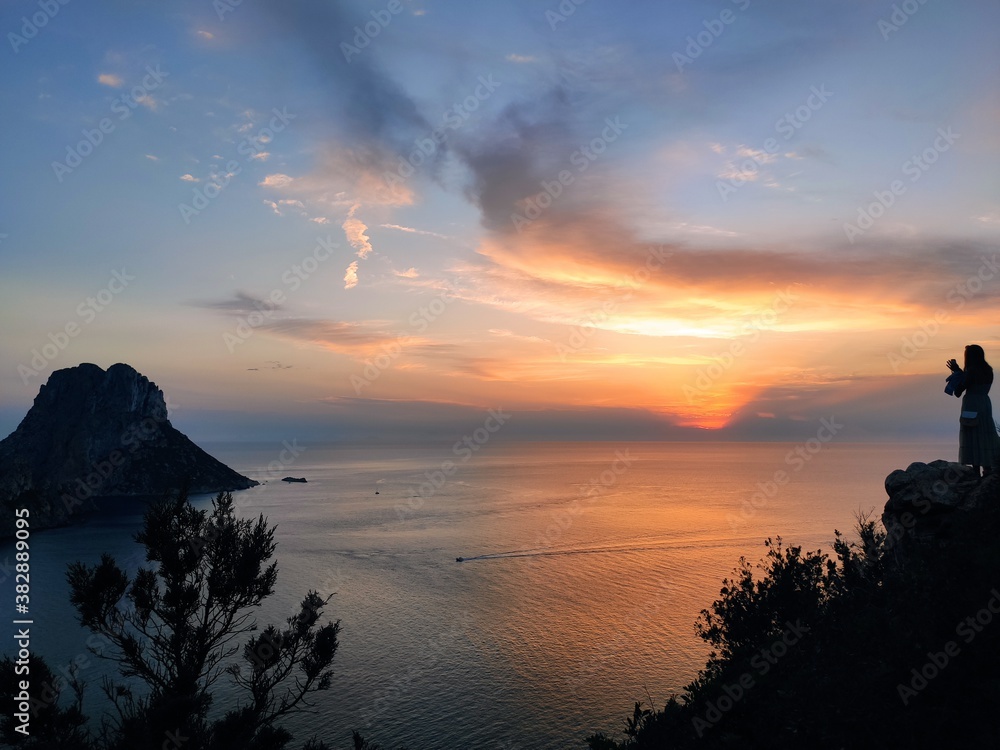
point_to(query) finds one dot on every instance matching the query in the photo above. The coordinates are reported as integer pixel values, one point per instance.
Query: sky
(345, 220)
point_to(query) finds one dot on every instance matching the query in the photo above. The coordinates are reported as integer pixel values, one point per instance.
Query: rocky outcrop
(927, 502)
(95, 433)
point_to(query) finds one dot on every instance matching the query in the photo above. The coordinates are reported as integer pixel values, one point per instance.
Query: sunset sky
(648, 220)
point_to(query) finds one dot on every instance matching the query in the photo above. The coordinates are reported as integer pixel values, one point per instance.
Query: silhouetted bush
(860, 650)
(174, 629)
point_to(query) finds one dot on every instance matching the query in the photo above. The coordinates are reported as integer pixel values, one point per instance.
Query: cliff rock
(93, 433)
(928, 501)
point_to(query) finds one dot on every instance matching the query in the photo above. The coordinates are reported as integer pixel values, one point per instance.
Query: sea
(584, 568)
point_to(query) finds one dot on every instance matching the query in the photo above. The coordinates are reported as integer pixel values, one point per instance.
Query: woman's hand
(953, 365)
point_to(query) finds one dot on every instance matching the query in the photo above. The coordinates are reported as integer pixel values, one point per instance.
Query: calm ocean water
(585, 568)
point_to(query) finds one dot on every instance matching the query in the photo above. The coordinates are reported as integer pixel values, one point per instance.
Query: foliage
(862, 622)
(52, 725)
(176, 626)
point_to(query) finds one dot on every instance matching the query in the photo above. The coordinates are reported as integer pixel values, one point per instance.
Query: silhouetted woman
(978, 442)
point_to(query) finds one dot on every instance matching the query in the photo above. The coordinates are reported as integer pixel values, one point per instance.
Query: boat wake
(602, 550)
(636, 544)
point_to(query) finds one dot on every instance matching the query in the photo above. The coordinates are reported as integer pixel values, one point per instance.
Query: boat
(294, 479)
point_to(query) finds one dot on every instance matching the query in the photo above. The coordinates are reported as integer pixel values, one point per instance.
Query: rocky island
(99, 433)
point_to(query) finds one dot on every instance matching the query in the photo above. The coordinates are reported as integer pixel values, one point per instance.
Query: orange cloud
(715, 328)
(351, 276)
(355, 230)
(110, 79)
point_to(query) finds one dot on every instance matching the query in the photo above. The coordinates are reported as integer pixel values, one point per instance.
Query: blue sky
(609, 205)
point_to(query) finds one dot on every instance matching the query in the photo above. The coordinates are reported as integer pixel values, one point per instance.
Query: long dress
(978, 445)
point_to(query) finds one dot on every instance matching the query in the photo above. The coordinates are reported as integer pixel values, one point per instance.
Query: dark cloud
(868, 408)
(933, 272)
(242, 303)
(273, 364)
(370, 111)
(512, 151)
(530, 142)
(337, 334)
(378, 122)
(357, 339)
